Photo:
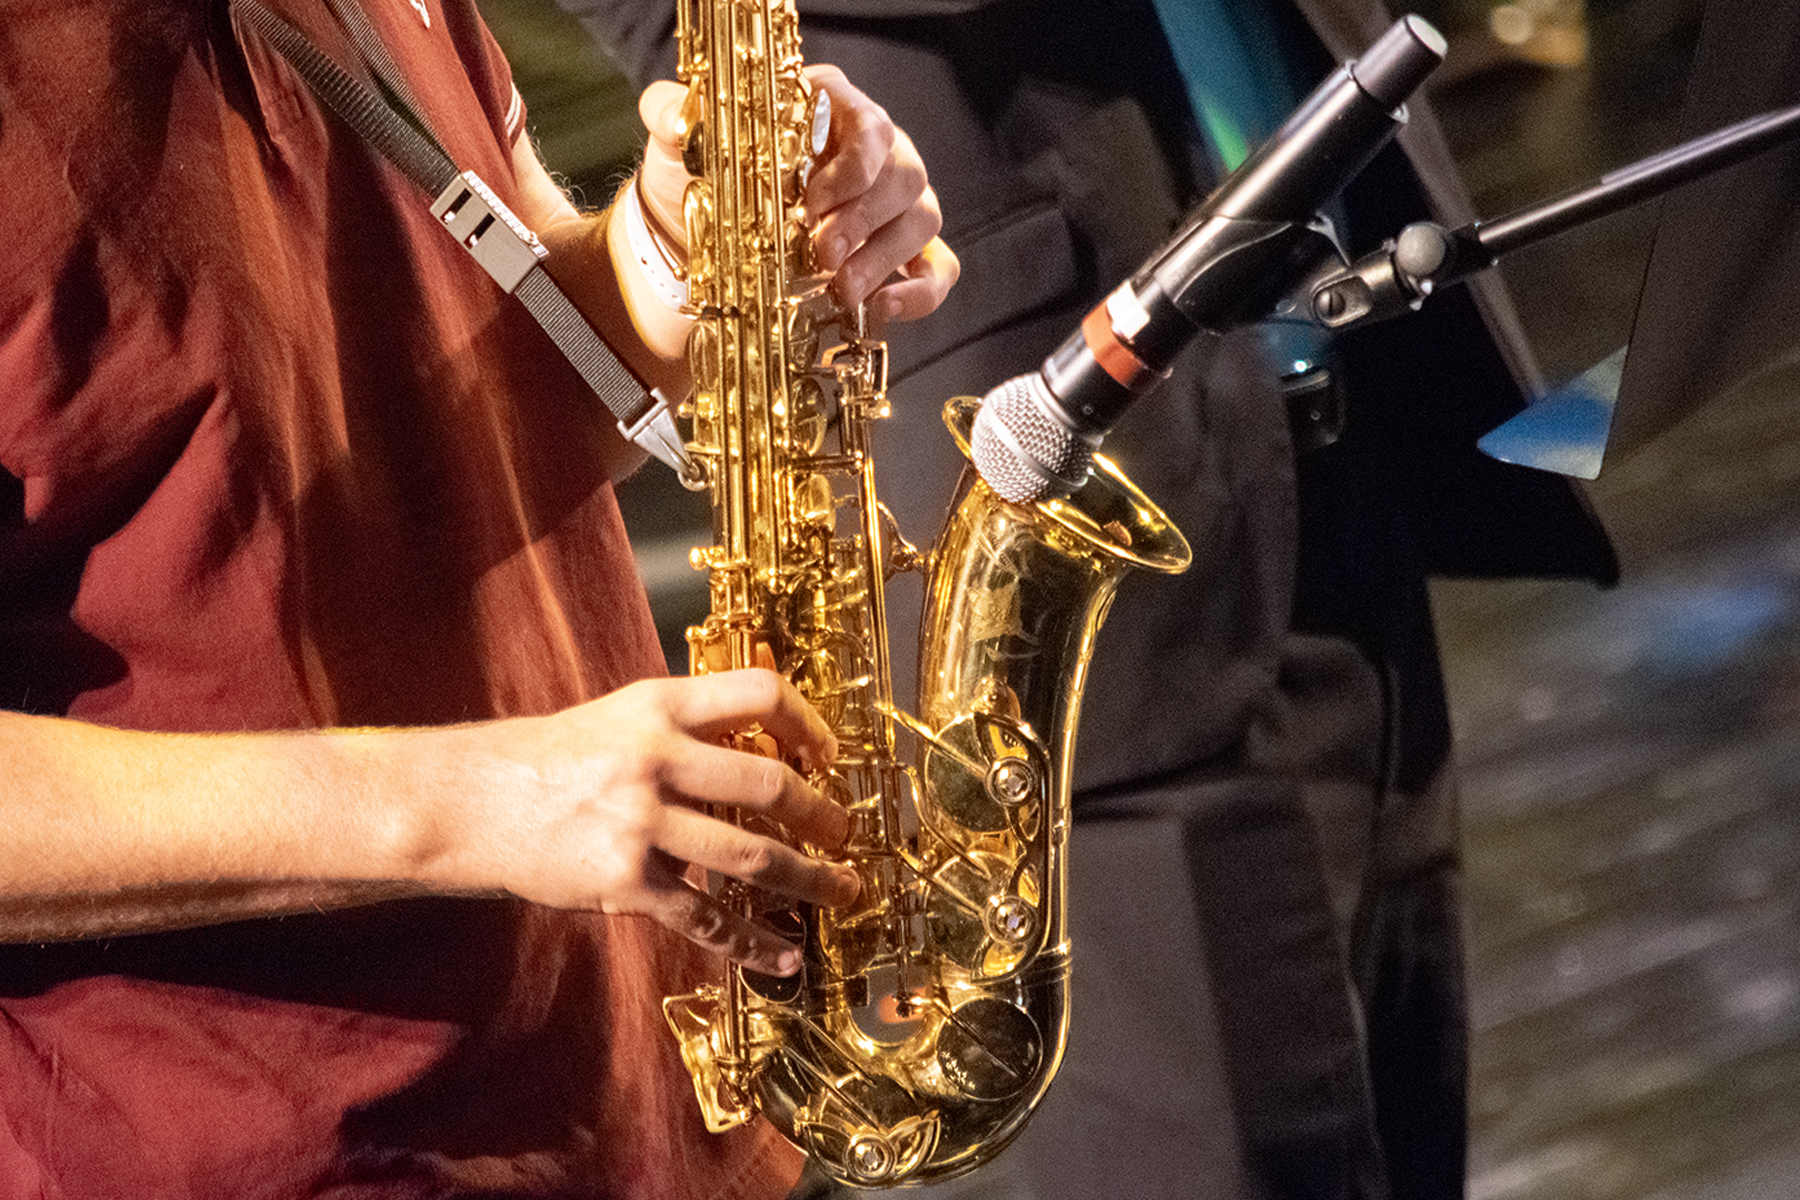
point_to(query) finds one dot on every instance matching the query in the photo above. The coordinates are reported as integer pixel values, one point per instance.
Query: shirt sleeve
(488, 71)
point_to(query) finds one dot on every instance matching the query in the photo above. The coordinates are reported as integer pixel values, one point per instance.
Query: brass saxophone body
(929, 1016)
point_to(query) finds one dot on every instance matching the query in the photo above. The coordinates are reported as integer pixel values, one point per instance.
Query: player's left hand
(875, 216)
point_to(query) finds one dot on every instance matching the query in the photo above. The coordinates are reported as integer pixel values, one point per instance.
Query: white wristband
(655, 263)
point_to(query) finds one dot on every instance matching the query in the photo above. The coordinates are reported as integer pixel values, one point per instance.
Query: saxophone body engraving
(929, 1015)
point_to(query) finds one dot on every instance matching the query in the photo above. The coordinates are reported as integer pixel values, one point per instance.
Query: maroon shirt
(277, 454)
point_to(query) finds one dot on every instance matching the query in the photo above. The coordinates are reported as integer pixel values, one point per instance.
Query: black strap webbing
(417, 154)
(508, 251)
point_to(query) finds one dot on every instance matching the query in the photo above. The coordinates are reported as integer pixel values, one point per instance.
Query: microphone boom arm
(1425, 256)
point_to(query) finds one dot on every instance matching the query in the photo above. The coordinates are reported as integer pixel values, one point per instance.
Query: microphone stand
(1425, 256)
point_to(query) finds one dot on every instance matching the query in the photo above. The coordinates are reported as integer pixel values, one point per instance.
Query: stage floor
(1630, 760)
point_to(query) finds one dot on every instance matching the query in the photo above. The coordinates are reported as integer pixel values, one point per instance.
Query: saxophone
(930, 1014)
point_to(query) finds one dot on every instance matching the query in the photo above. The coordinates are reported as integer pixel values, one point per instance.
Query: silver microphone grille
(1023, 452)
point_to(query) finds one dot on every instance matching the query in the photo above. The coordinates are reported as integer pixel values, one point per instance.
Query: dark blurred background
(1629, 757)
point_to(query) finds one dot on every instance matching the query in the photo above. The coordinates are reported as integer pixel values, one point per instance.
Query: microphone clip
(1394, 280)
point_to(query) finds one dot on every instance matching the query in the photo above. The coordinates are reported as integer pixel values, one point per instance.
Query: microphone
(1245, 247)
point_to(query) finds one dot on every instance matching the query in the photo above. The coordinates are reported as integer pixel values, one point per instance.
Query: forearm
(590, 259)
(599, 807)
(161, 907)
(111, 830)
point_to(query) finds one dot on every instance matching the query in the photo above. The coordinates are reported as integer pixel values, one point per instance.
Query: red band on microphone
(1115, 357)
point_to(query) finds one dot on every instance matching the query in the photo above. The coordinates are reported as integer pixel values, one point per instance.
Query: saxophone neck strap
(385, 116)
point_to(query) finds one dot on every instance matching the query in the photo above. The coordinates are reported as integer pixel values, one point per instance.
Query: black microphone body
(1243, 249)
